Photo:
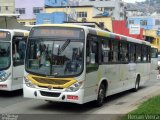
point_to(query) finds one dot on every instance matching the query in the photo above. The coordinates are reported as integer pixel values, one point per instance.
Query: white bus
(78, 64)
(12, 53)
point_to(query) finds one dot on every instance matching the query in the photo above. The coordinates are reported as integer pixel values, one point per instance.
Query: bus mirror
(92, 57)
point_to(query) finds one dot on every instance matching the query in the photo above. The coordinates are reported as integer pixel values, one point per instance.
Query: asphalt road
(14, 106)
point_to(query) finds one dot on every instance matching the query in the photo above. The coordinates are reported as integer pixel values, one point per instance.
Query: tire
(136, 88)
(101, 95)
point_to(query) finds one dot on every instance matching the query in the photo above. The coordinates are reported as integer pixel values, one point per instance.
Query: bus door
(18, 54)
(92, 65)
(132, 63)
(124, 59)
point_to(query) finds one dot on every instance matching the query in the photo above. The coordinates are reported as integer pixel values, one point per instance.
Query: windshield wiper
(64, 46)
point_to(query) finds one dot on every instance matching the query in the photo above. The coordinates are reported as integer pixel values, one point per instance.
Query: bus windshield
(54, 57)
(4, 55)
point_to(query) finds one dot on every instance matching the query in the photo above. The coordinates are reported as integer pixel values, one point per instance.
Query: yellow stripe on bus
(66, 85)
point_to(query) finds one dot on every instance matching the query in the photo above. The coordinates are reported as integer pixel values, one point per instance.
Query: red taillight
(72, 97)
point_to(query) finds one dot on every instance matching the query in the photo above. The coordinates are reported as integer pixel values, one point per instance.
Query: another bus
(78, 64)
(12, 53)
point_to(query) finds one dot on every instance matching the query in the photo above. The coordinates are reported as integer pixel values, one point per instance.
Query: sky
(133, 1)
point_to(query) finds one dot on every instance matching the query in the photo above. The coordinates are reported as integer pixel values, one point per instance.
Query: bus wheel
(101, 95)
(137, 84)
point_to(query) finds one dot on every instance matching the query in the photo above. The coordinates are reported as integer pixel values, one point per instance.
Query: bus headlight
(74, 87)
(4, 76)
(28, 83)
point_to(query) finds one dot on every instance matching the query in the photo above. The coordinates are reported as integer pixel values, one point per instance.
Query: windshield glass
(51, 57)
(4, 55)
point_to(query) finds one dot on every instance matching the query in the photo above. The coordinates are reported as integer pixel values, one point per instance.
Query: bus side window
(115, 51)
(92, 56)
(132, 52)
(124, 57)
(138, 53)
(144, 53)
(105, 51)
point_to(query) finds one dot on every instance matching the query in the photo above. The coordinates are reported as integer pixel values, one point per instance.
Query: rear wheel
(137, 84)
(101, 95)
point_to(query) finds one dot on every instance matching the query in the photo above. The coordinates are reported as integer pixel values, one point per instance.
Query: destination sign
(73, 33)
(4, 35)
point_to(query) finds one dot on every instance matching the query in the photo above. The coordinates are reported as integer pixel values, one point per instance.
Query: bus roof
(99, 32)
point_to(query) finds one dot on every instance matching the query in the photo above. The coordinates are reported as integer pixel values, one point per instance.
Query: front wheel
(101, 95)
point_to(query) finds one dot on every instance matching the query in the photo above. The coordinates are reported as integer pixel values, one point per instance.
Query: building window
(20, 10)
(6, 8)
(143, 22)
(23, 23)
(131, 22)
(37, 10)
(32, 23)
(81, 14)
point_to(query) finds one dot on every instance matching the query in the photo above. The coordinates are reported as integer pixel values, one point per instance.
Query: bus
(12, 53)
(79, 64)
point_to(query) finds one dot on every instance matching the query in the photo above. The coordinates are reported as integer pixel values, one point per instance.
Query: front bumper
(54, 94)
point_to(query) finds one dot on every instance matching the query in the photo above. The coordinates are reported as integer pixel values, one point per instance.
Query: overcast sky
(133, 1)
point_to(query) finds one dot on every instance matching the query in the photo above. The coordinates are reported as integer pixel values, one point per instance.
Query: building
(113, 8)
(151, 26)
(28, 9)
(119, 27)
(84, 14)
(7, 6)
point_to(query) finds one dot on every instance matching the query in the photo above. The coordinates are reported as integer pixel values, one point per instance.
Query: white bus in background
(12, 53)
(78, 64)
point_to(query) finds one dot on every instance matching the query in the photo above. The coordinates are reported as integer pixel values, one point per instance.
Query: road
(13, 103)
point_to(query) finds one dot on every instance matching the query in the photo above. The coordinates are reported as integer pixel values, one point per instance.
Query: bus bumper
(53, 95)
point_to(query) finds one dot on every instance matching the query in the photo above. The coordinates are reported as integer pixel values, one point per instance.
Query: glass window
(131, 22)
(105, 51)
(115, 50)
(143, 22)
(37, 10)
(124, 52)
(4, 55)
(138, 53)
(92, 53)
(144, 53)
(132, 52)
(20, 10)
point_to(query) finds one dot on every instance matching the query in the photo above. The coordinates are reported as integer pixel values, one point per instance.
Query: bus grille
(50, 94)
(51, 81)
